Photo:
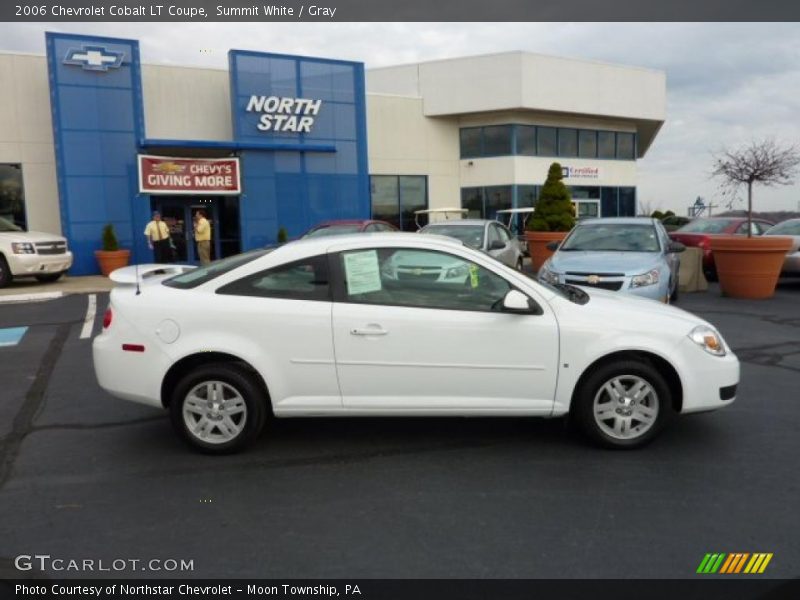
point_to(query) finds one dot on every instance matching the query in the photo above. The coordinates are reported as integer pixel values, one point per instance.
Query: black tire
(49, 277)
(711, 274)
(673, 297)
(236, 378)
(593, 386)
(5, 272)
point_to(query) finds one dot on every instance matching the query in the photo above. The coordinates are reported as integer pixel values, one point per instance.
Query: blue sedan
(631, 255)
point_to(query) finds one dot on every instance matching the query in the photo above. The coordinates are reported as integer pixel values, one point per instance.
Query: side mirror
(497, 245)
(553, 246)
(517, 302)
(675, 247)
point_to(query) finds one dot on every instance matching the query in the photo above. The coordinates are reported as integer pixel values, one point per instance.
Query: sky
(728, 84)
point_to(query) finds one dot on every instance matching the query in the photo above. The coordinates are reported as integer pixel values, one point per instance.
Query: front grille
(603, 285)
(418, 275)
(51, 247)
(587, 274)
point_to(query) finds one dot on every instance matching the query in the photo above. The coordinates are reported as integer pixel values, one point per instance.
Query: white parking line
(88, 322)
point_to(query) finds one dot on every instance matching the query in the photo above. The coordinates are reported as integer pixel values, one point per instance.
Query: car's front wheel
(218, 408)
(5, 273)
(623, 404)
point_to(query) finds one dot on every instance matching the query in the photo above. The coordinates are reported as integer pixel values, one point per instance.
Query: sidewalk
(24, 289)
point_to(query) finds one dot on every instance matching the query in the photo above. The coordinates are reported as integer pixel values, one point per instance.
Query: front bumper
(709, 382)
(791, 264)
(38, 264)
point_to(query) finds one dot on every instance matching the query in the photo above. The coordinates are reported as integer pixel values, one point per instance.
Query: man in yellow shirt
(202, 235)
(157, 233)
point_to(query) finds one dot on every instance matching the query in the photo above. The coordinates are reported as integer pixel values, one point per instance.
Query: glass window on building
(396, 197)
(546, 141)
(567, 142)
(526, 140)
(625, 146)
(498, 197)
(527, 195)
(606, 144)
(497, 140)
(587, 143)
(472, 200)
(627, 202)
(608, 202)
(413, 197)
(385, 194)
(470, 142)
(12, 195)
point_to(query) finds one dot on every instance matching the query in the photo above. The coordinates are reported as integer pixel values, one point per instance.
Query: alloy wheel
(625, 407)
(214, 412)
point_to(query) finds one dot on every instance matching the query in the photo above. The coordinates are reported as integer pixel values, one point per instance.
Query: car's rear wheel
(5, 273)
(49, 277)
(218, 408)
(623, 404)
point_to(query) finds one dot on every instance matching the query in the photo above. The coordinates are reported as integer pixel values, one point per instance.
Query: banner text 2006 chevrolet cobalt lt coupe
(363, 325)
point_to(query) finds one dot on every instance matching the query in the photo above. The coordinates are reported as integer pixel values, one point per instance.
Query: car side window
(305, 279)
(494, 235)
(372, 227)
(420, 279)
(504, 234)
(743, 228)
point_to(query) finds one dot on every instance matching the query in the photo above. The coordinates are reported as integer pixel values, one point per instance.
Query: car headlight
(457, 272)
(708, 339)
(22, 248)
(649, 278)
(547, 275)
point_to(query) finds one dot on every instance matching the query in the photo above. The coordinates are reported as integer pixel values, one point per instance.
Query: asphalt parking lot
(83, 475)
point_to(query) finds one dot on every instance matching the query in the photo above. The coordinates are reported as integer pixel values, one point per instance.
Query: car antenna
(138, 289)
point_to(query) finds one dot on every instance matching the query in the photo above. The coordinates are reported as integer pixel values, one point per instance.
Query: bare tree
(765, 162)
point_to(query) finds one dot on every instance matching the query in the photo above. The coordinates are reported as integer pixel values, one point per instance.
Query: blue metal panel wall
(295, 190)
(97, 120)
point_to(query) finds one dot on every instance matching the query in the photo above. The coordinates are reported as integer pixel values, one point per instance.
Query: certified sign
(162, 175)
(581, 172)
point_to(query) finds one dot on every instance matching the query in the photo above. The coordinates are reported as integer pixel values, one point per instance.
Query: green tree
(657, 214)
(283, 235)
(554, 210)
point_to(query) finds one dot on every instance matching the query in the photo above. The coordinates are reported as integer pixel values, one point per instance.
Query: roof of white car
(365, 240)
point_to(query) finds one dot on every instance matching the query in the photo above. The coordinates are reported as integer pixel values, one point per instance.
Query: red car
(345, 226)
(699, 232)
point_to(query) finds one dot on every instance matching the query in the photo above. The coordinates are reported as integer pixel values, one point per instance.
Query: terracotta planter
(109, 261)
(749, 267)
(537, 242)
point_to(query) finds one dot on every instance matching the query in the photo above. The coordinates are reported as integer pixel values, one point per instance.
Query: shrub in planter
(283, 235)
(111, 257)
(552, 218)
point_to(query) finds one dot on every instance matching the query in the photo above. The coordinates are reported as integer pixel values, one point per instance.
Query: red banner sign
(162, 175)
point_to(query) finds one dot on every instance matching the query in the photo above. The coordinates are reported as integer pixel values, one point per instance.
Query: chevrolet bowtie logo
(593, 279)
(94, 58)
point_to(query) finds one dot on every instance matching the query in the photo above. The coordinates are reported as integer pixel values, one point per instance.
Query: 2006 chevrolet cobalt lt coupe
(361, 325)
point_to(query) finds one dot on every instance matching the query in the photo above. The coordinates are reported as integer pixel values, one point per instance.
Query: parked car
(633, 255)
(488, 236)
(31, 254)
(699, 232)
(345, 226)
(790, 228)
(320, 327)
(514, 219)
(674, 222)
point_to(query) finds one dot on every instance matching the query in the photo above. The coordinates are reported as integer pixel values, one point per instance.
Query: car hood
(30, 236)
(631, 263)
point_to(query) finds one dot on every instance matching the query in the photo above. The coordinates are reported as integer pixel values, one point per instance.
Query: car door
(426, 340)
(493, 236)
(672, 259)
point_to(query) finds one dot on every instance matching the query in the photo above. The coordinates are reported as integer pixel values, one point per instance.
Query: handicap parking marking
(11, 336)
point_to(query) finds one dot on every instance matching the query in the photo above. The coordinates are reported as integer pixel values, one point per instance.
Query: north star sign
(295, 115)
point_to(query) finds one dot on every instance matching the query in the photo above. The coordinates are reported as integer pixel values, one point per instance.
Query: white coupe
(355, 326)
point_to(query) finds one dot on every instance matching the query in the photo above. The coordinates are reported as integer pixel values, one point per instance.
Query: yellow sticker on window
(473, 275)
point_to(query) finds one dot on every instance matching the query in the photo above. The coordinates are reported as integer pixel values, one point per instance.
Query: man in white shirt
(157, 233)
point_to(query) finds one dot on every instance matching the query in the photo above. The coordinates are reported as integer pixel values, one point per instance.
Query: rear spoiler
(139, 273)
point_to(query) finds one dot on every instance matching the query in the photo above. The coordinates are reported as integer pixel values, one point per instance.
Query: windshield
(612, 237)
(471, 235)
(6, 225)
(786, 228)
(707, 226)
(199, 276)
(326, 230)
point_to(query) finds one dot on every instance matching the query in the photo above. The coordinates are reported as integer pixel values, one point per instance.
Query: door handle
(369, 331)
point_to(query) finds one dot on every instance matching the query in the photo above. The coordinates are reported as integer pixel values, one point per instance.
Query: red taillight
(107, 318)
(133, 347)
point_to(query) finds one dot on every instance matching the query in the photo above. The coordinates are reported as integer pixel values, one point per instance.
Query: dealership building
(90, 136)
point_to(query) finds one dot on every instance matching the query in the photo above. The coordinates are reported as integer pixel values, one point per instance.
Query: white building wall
(186, 103)
(26, 136)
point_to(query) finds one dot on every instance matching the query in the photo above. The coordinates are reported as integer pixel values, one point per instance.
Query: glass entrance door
(222, 214)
